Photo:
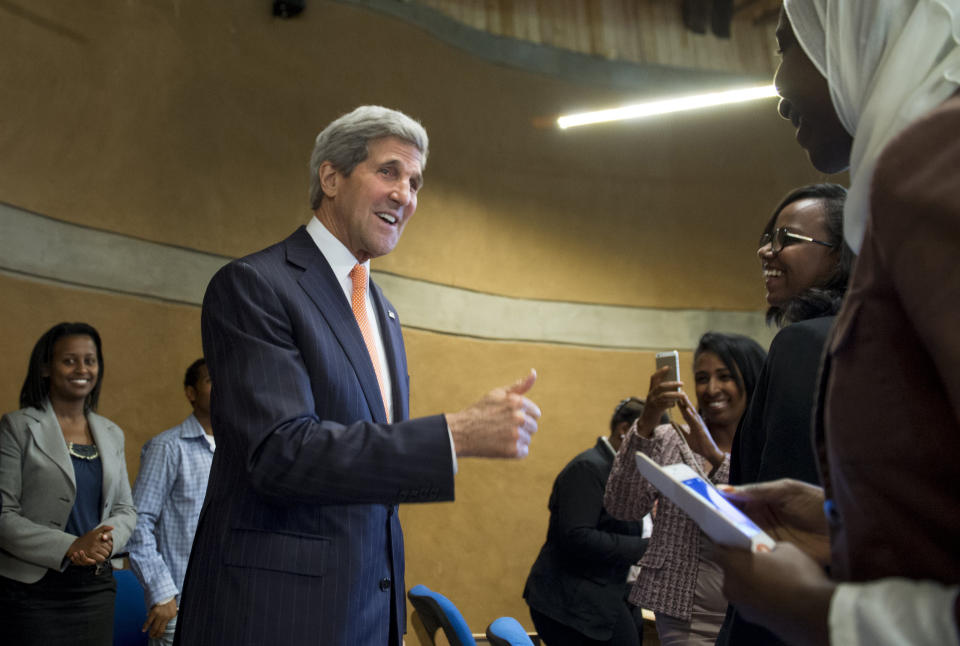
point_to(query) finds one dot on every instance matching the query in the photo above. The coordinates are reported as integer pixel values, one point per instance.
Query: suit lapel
(105, 447)
(393, 345)
(321, 285)
(46, 432)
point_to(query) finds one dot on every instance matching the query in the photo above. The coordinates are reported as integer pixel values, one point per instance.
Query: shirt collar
(607, 449)
(340, 259)
(191, 427)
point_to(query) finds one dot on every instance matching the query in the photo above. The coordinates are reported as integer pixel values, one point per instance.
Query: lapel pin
(391, 314)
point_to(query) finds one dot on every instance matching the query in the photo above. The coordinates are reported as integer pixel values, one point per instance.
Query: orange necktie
(358, 301)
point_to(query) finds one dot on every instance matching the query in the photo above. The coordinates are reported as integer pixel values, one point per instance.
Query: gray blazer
(37, 489)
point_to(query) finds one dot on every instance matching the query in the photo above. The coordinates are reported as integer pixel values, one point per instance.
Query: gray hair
(343, 143)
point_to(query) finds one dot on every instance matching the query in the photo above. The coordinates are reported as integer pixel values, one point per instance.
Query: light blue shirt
(169, 492)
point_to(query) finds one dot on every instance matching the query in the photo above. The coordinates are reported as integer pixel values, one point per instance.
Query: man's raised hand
(500, 425)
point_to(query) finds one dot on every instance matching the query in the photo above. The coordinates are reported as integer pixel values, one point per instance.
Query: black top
(580, 576)
(775, 439)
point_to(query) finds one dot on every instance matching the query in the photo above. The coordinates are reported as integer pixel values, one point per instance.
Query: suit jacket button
(385, 584)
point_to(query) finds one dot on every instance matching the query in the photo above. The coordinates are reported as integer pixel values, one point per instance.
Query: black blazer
(775, 439)
(580, 577)
(298, 541)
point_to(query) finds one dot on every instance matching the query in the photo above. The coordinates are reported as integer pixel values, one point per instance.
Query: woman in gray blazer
(66, 498)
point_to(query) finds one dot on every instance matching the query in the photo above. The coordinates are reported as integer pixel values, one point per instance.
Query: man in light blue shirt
(171, 485)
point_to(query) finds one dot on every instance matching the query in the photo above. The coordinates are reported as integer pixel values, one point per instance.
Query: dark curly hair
(820, 300)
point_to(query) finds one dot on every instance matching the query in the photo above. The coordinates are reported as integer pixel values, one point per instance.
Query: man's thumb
(525, 384)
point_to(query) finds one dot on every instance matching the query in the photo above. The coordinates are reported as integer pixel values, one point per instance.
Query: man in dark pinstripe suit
(298, 541)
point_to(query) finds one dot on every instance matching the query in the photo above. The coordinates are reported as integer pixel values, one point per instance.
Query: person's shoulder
(590, 459)
(924, 137)
(817, 326)
(270, 255)
(24, 413)
(20, 418)
(105, 423)
(584, 457)
(265, 265)
(920, 164)
(796, 336)
(169, 437)
(267, 255)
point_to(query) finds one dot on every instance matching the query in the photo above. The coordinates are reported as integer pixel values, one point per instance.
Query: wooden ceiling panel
(638, 31)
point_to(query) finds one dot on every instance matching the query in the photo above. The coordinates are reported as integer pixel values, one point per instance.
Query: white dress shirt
(342, 261)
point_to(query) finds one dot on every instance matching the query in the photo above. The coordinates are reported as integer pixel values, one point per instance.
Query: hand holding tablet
(720, 520)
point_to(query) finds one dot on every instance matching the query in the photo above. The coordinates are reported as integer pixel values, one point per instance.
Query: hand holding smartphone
(660, 398)
(671, 360)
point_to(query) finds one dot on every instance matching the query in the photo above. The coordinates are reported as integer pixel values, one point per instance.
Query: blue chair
(432, 612)
(507, 631)
(129, 610)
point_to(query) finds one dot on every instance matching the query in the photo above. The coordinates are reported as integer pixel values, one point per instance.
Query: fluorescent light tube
(666, 106)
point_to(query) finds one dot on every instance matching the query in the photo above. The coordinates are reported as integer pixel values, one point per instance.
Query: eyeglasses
(783, 237)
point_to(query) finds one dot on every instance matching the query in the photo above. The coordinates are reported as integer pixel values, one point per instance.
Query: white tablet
(721, 521)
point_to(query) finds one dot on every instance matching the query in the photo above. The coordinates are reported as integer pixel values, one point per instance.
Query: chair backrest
(129, 610)
(507, 631)
(438, 612)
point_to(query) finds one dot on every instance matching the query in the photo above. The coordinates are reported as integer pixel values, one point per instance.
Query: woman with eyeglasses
(805, 264)
(66, 499)
(676, 581)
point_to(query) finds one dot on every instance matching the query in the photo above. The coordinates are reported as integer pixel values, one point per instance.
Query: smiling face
(368, 209)
(720, 400)
(805, 102)
(73, 369)
(800, 266)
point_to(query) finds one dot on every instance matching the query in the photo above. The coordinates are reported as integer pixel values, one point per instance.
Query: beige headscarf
(887, 62)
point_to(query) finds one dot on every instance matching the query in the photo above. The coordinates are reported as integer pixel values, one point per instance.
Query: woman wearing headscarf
(873, 84)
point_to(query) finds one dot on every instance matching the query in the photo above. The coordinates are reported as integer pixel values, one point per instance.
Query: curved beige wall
(185, 124)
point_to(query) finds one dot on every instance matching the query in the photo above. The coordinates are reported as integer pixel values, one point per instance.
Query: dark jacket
(298, 541)
(579, 578)
(775, 437)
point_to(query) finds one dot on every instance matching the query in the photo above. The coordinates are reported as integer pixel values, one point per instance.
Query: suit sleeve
(20, 536)
(579, 498)
(266, 403)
